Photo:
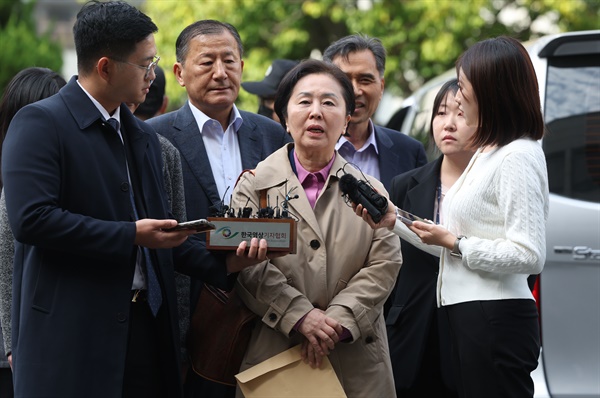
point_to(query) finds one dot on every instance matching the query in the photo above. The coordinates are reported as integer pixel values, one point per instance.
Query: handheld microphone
(361, 193)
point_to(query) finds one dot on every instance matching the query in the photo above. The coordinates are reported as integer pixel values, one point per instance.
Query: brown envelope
(285, 376)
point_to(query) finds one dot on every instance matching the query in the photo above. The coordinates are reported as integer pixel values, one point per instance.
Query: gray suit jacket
(7, 252)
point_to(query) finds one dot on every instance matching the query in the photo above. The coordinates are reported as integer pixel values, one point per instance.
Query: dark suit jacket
(411, 308)
(258, 137)
(398, 153)
(69, 208)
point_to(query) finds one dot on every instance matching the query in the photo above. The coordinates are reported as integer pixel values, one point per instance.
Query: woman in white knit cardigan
(494, 232)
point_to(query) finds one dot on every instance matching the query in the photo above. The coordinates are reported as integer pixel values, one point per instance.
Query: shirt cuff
(297, 325)
(346, 335)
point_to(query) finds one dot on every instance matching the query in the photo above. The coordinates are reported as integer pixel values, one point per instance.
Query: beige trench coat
(342, 266)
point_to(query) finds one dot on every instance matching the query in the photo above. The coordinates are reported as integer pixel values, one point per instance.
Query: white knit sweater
(500, 203)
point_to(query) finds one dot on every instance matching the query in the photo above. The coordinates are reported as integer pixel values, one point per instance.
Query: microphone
(220, 209)
(361, 193)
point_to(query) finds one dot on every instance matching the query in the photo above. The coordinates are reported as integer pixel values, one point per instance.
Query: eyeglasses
(148, 68)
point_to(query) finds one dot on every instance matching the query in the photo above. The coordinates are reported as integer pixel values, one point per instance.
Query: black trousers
(6, 384)
(144, 373)
(495, 347)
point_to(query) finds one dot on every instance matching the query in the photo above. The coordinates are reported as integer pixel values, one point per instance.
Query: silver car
(568, 289)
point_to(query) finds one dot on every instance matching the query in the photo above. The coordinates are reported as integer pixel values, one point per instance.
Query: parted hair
(506, 90)
(108, 29)
(303, 69)
(451, 86)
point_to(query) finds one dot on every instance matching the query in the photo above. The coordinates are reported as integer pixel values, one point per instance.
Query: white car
(568, 289)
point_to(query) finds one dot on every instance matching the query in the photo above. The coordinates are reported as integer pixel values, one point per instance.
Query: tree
(423, 38)
(20, 46)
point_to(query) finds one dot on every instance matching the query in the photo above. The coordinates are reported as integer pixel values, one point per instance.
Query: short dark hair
(109, 29)
(204, 27)
(155, 96)
(451, 86)
(506, 89)
(353, 43)
(303, 69)
(26, 87)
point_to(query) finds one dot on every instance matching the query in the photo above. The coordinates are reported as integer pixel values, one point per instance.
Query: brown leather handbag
(220, 331)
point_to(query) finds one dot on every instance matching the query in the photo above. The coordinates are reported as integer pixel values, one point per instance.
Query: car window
(572, 116)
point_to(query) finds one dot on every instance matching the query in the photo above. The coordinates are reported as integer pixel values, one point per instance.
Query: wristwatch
(455, 252)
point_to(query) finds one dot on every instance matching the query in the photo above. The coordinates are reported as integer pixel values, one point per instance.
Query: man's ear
(104, 68)
(179, 73)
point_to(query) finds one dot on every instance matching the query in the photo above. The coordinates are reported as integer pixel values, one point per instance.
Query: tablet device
(200, 225)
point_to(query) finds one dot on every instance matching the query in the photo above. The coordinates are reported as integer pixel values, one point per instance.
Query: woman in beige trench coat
(329, 295)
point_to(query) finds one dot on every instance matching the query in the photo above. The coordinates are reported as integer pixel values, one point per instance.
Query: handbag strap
(263, 199)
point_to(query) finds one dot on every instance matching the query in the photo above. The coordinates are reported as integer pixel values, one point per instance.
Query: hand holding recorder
(361, 193)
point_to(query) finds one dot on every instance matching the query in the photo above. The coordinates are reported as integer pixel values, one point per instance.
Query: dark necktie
(154, 292)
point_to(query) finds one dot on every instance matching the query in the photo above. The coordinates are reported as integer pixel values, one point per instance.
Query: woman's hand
(433, 234)
(388, 220)
(322, 333)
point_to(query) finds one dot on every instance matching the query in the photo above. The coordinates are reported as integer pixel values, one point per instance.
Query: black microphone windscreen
(348, 184)
(361, 193)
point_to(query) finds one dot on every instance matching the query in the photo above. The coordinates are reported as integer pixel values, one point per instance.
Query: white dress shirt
(223, 149)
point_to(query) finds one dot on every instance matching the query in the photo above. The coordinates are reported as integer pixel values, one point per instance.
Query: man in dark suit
(94, 308)
(378, 151)
(216, 140)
